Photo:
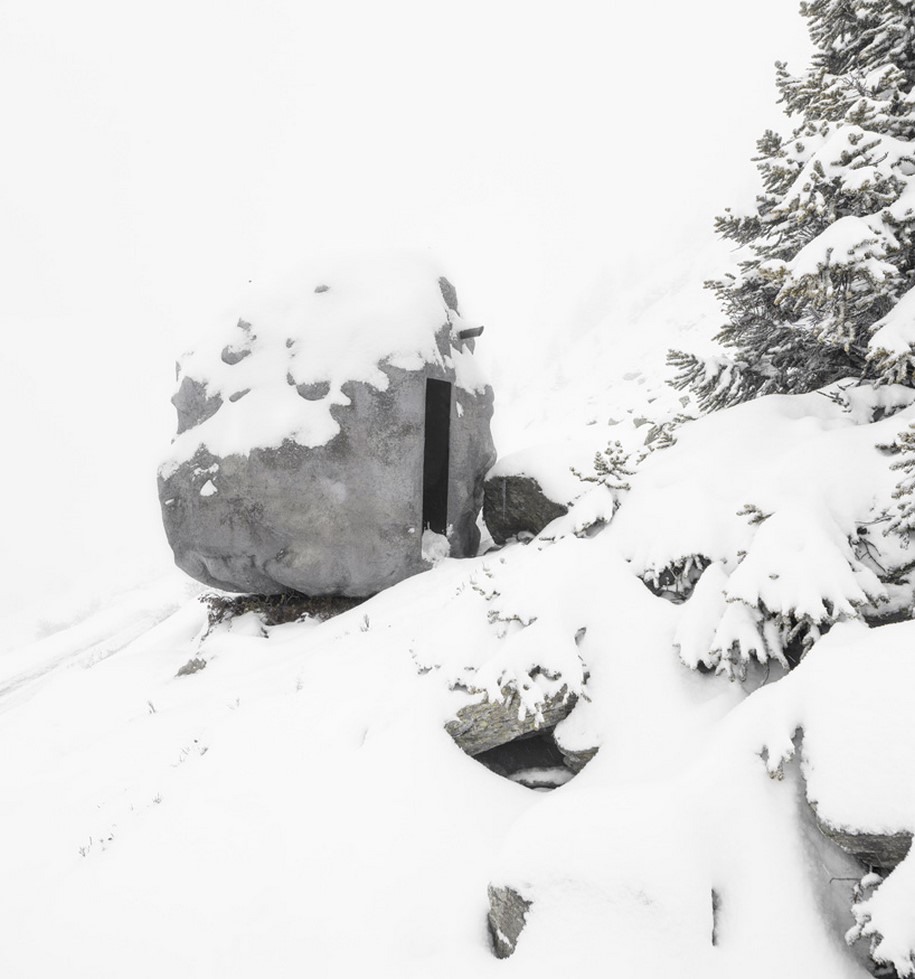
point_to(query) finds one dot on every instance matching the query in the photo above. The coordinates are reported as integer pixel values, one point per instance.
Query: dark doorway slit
(435, 455)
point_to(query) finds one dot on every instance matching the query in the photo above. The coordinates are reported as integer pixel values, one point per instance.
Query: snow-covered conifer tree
(823, 289)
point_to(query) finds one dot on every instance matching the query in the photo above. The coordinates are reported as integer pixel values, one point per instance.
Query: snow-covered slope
(301, 790)
(297, 805)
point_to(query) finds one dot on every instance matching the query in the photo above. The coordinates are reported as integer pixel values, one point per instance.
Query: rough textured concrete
(514, 505)
(480, 727)
(507, 911)
(343, 518)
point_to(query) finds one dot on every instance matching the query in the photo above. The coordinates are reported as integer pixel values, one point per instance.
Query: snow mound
(786, 497)
(850, 699)
(551, 464)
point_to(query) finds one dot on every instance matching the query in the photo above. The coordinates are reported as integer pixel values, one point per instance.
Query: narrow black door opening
(435, 455)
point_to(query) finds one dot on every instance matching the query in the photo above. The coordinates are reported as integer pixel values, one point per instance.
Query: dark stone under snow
(878, 850)
(516, 506)
(493, 734)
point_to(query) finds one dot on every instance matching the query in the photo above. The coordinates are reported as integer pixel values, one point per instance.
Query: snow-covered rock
(526, 490)
(486, 724)
(516, 506)
(308, 444)
(883, 850)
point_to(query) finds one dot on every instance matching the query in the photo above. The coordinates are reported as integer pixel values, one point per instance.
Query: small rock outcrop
(335, 426)
(875, 850)
(507, 914)
(516, 506)
(486, 725)
(517, 744)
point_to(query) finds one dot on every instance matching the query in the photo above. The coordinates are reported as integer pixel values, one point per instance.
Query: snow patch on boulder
(292, 344)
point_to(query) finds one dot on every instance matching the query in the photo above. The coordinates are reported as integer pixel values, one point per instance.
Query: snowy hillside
(669, 733)
(297, 804)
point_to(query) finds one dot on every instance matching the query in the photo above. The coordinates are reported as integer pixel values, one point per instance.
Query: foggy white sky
(156, 157)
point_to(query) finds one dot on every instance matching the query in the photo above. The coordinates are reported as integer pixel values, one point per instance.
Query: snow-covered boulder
(883, 850)
(340, 419)
(516, 506)
(849, 701)
(529, 489)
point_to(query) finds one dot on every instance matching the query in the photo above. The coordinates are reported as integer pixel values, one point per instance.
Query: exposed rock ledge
(479, 727)
(516, 746)
(880, 850)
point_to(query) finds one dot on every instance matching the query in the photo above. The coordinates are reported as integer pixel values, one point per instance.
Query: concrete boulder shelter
(336, 442)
